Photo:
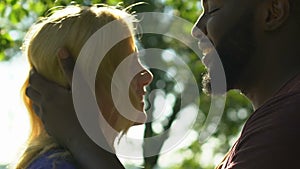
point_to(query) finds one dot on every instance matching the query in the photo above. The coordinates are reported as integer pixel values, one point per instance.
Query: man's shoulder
(280, 116)
(271, 137)
(282, 109)
(275, 128)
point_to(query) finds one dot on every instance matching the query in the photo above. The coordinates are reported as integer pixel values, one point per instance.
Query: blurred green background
(16, 16)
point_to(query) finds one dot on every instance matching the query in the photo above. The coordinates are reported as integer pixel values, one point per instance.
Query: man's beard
(235, 50)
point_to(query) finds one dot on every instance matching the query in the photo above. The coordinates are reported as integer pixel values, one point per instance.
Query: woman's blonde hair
(70, 27)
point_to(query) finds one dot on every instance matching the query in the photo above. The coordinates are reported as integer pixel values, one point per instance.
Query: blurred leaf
(2, 57)
(2, 8)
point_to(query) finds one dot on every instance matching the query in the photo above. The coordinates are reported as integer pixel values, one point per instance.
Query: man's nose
(199, 29)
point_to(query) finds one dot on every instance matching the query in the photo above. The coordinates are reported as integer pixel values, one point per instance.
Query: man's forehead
(220, 1)
(206, 1)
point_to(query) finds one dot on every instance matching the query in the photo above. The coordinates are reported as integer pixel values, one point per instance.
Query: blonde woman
(71, 27)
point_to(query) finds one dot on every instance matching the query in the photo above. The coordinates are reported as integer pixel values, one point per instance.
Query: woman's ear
(277, 13)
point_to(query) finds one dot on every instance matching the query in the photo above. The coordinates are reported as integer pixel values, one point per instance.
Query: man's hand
(54, 105)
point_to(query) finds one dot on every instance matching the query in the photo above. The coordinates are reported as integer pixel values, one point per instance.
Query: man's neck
(267, 85)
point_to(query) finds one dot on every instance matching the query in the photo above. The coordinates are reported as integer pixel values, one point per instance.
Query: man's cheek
(215, 29)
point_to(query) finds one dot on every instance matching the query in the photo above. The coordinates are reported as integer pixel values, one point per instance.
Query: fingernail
(63, 53)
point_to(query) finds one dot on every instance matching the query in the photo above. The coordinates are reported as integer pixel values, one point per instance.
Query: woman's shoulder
(53, 160)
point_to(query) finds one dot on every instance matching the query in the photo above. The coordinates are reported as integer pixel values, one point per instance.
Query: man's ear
(277, 13)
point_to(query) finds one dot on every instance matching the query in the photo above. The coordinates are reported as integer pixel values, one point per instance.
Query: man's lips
(205, 46)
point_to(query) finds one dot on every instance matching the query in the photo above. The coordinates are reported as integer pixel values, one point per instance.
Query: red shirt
(270, 138)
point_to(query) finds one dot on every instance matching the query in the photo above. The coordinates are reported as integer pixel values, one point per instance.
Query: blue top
(45, 161)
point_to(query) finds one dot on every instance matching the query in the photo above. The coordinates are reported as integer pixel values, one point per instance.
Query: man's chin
(206, 83)
(207, 87)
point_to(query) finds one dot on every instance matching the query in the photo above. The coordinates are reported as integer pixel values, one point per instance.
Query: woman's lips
(140, 92)
(140, 96)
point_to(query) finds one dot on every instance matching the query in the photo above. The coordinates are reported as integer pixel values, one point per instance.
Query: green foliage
(16, 16)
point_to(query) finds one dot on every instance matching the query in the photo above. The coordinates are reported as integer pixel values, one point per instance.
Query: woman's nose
(146, 77)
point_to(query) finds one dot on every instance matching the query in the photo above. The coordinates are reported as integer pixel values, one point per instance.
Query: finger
(42, 85)
(67, 63)
(36, 81)
(34, 95)
(37, 110)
